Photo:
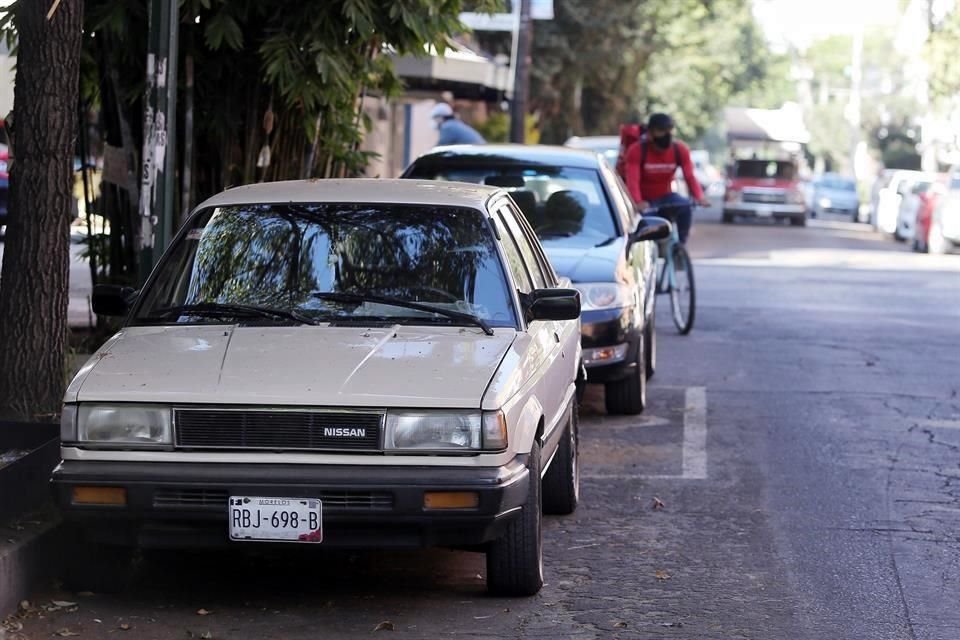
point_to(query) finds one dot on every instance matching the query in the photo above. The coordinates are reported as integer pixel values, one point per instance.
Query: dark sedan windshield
(286, 257)
(559, 202)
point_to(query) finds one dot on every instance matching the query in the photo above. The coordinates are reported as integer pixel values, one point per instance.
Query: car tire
(515, 559)
(799, 221)
(726, 218)
(561, 483)
(100, 568)
(650, 340)
(628, 396)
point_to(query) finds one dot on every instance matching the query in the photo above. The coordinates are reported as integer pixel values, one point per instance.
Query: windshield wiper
(399, 302)
(219, 310)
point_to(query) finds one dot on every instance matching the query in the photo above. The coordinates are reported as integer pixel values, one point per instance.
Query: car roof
(547, 155)
(356, 190)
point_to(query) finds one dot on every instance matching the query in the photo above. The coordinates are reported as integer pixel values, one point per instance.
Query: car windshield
(777, 169)
(838, 184)
(561, 203)
(294, 260)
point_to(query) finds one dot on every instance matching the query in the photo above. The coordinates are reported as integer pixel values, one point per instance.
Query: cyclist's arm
(696, 192)
(633, 172)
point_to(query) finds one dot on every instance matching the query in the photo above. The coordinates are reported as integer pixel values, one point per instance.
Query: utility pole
(853, 106)
(158, 176)
(521, 78)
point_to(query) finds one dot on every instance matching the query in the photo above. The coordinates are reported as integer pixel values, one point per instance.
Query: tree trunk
(34, 282)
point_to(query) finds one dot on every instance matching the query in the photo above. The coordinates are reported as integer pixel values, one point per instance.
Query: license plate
(276, 519)
(764, 212)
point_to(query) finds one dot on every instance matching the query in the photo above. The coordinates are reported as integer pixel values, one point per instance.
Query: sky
(800, 22)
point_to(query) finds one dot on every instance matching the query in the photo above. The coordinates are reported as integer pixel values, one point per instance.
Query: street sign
(539, 10)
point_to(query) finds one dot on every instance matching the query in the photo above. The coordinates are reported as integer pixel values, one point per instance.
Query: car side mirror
(113, 300)
(553, 304)
(651, 228)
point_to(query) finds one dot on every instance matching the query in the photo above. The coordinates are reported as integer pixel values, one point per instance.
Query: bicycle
(675, 276)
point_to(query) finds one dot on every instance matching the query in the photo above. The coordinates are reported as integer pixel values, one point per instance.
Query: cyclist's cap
(660, 121)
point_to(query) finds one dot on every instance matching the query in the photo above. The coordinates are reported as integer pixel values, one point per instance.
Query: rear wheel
(799, 221)
(515, 560)
(683, 292)
(628, 396)
(561, 483)
(727, 218)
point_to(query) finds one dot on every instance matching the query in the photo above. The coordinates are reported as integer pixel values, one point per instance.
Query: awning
(766, 125)
(460, 70)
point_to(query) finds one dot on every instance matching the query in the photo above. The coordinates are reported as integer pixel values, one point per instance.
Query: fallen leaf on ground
(206, 635)
(662, 575)
(202, 612)
(125, 626)
(386, 625)
(64, 633)
(24, 605)
(621, 625)
(98, 620)
(63, 603)
(657, 503)
(671, 624)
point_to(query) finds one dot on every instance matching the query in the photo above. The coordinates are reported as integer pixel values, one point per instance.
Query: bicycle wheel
(683, 294)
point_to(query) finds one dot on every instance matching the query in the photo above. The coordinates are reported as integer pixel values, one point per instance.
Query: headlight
(824, 202)
(445, 430)
(124, 424)
(604, 295)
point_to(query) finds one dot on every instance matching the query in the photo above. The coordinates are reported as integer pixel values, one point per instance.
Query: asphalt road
(804, 442)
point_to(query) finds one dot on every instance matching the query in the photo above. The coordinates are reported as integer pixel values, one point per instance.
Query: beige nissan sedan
(352, 363)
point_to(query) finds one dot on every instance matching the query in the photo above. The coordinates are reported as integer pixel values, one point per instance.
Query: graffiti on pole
(154, 151)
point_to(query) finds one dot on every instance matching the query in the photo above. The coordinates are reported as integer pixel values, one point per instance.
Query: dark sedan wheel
(628, 396)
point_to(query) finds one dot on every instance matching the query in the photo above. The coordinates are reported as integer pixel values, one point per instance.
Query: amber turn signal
(116, 496)
(451, 500)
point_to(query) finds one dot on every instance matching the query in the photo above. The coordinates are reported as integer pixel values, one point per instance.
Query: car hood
(406, 366)
(586, 264)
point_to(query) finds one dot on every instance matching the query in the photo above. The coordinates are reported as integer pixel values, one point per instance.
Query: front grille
(765, 197)
(293, 430)
(217, 499)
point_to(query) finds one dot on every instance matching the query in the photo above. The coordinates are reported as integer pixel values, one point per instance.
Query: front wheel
(650, 340)
(628, 396)
(683, 292)
(799, 221)
(515, 559)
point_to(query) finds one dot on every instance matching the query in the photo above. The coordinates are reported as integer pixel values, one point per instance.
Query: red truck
(763, 177)
(764, 189)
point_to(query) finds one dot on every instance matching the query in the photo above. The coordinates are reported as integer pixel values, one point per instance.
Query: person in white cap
(452, 130)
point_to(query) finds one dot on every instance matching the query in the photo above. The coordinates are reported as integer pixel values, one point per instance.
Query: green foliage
(942, 57)
(602, 61)
(496, 128)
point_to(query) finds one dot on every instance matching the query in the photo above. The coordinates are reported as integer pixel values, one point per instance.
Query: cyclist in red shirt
(651, 164)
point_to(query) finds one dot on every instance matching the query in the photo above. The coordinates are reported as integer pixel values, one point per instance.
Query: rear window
(777, 169)
(560, 203)
(838, 184)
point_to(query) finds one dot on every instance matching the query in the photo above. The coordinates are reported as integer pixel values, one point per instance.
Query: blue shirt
(453, 131)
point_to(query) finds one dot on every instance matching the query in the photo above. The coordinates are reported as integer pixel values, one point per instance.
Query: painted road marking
(694, 449)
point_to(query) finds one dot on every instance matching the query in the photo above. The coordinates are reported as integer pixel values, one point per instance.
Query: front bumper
(184, 505)
(765, 210)
(608, 329)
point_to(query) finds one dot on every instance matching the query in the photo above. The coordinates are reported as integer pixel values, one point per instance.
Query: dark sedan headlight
(595, 296)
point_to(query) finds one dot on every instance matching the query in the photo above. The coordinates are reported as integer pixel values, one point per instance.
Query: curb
(30, 550)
